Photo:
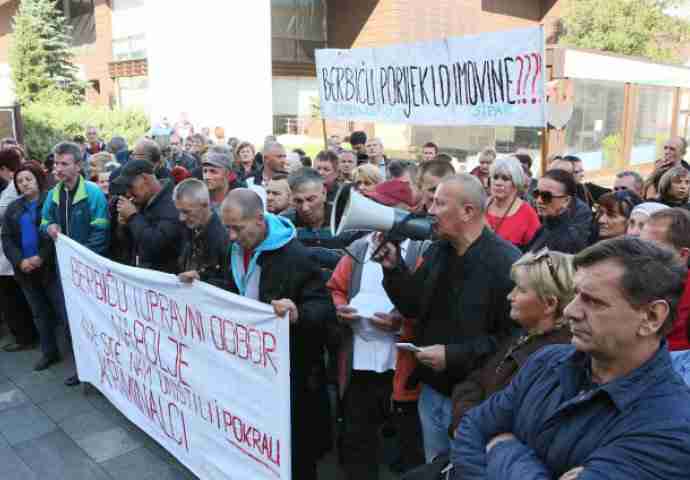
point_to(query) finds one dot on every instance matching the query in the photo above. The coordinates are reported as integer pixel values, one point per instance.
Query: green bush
(48, 123)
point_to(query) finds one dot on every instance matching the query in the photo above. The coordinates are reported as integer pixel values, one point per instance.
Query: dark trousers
(406, 421)
(47, 304)
(366, 407)
(16, 311)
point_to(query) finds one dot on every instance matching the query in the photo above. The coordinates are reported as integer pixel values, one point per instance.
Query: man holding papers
(369, 358)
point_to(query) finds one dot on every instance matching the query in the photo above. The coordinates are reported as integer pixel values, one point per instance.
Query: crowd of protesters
(550, 314)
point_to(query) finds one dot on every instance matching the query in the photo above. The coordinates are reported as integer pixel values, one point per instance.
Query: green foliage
(612, 147)
(628, 27)
(46, 124)
(40, 54)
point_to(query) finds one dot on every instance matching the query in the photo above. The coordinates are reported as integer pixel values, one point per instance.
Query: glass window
(129, 48)
(653, 118)
(80, 15)
(594, 132)
(297, 29)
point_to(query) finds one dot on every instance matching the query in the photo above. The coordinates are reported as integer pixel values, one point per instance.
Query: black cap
(131, 170)
(358, 138)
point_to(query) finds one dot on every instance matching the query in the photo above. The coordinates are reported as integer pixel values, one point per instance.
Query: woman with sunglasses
(543, 288)
(613, 216)
(507, 214)
(566, 221)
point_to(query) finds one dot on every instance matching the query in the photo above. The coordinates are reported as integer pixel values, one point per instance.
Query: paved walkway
(52, 432)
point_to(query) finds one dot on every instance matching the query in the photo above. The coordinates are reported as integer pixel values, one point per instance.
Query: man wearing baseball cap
(147, 214)
(219, 176)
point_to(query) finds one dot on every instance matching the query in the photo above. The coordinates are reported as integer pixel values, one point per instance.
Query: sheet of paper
(367, 304)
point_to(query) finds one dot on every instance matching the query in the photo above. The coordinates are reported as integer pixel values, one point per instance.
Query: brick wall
(94, 57)
(369, 23)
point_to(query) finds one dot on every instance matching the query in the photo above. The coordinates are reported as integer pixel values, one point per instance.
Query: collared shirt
(635, 427)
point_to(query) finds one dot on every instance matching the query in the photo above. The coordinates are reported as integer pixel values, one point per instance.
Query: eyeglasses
(619, 189)
(546, 196)
(505, 178)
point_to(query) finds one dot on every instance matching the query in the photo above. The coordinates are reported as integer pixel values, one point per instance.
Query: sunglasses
(505, 178)
(619, 189)
(546, 196)
(545, 255)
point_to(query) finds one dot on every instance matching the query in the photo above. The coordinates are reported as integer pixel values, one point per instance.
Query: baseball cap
(218, 160)
(131, 170)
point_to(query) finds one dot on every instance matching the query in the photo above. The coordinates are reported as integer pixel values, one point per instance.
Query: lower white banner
(204, 372)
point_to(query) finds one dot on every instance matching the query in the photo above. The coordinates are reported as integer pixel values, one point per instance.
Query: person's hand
(388, 322)
(26, 266)
(387, 255)
(346, 313)
(53, 230)
(503, 437)
(125, 209)
(188, 277)
(35, 261)
(433, 357)
(571, 474)
(285, 305)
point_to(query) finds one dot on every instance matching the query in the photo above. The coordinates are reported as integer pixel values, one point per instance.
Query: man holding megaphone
(459, 296)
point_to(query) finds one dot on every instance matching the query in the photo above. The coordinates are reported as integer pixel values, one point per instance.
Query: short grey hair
(488, 152)
(192, 189)
(68, 148)
(639, 182)
(268, 146)
(511, 166)
(248, 201)
(473, 191)
(304, 176)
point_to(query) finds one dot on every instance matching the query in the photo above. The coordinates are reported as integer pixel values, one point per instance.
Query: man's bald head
(246, 200)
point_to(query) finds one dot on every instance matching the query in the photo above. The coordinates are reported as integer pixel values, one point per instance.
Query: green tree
(40, 55)
(629, 27)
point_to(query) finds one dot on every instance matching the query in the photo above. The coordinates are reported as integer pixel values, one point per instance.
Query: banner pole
(325, 136)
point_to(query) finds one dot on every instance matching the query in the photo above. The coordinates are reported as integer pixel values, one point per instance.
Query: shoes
(72, 381)
(46, 361)
(18, 347)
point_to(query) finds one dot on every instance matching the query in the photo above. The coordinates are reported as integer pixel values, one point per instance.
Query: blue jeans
(436, 414)
(47, 305)
(681, 364)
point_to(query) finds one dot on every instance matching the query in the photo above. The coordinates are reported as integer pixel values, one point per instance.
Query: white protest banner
(204, 372)
(489, 79)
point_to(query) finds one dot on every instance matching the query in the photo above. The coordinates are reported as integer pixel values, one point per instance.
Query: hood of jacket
(279, 232)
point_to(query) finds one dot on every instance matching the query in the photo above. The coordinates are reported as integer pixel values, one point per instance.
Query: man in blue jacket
(608, 407)
(75, 207)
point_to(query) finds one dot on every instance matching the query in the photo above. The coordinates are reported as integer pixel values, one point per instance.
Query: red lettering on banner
(260, 446)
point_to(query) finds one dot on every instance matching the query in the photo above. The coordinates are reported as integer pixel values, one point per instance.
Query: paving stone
(139, 463)
(102, 446)
(56, 456)
(13, 468)
(41, 389)
(11, 396)
(67, 405)
(86, 424)
(24, 423)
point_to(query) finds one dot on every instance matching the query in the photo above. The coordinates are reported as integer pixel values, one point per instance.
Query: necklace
(505, 214)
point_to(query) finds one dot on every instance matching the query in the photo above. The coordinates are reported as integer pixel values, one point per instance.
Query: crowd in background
(516, 264)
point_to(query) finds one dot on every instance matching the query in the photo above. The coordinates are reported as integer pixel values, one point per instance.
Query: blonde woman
(366, 177)
(543, 287)
(101, 162)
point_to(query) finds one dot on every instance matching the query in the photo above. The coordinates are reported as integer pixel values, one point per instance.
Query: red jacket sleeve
(339, 283)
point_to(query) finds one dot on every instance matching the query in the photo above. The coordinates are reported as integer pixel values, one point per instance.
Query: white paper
(367, 304)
